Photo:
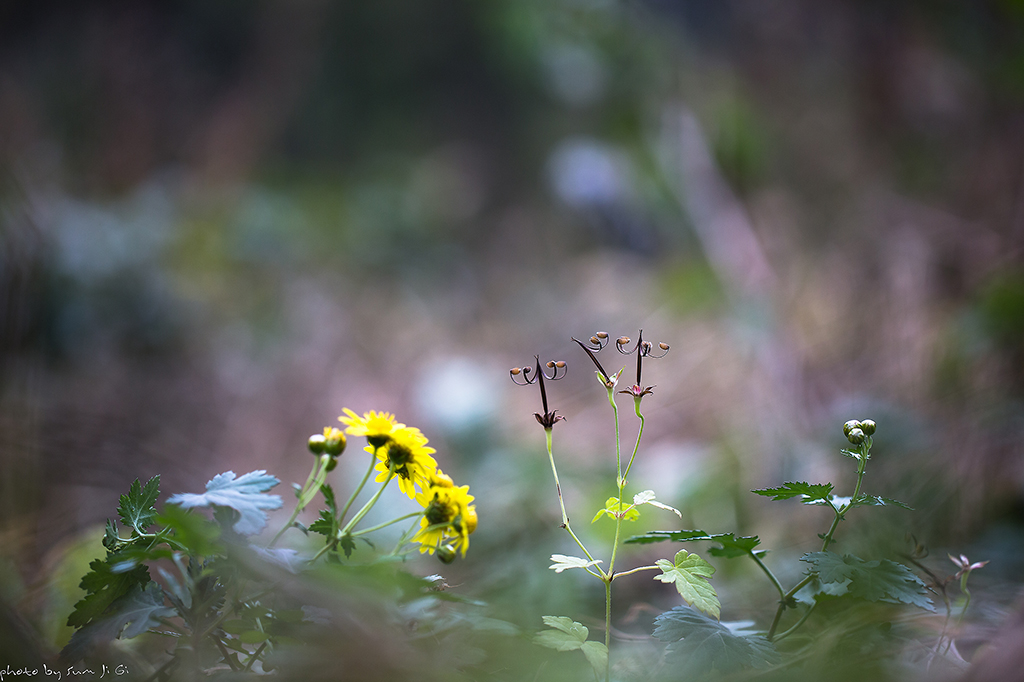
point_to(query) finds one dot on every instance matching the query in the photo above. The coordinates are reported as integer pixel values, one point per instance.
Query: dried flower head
(523, 376)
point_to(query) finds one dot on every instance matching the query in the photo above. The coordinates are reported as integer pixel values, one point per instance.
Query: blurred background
(221, 223)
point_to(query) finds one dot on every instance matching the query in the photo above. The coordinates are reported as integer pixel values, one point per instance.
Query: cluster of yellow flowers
(402, 452)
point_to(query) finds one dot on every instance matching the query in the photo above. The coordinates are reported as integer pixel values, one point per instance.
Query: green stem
(405, 538)
(635, 570)
(369, 503)
(387, 523)
(359, 488)
(618, 447)
(561, 504)
(254, 656)
(783, 604)
(608, 623)
(767, 572)
(639, 435)
(319, 469)
(800, 622)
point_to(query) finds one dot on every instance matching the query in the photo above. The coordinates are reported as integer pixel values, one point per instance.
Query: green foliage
(128, 616)
(879, 580)
(690, 574)
(568, 635)
(698, 644)
(730, 546)
(103, 586)
(136, 509)
(875, 501)
(809, 491)
(563, 562)
(614, 508)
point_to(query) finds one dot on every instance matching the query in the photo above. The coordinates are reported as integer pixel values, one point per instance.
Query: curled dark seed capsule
(646, 346)
(560, 364)
(601, 335)
(663, 346)
(527, 370)
(622, 340)
(515, 371)
(594, 340)
(550, 364)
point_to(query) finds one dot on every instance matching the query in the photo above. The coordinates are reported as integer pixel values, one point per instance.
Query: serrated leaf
(647, 497)
(880, 580)
(615, 508)
(809, 491)
(697, 644)
(876, 501)
(690, 574)
(128, 616)
(597, 656)
(730, 545)
(103, 587)
(111, 539)
(568, 635)
(563, 562)
(348, 544)
(243, 494)
(136, 508)
(326, 525)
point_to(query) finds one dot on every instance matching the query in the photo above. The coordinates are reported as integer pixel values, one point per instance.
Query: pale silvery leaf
(563, 562)
(243, 494)
(647, 497)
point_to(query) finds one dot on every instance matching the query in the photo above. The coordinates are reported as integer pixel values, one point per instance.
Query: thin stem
(558, 488)
(639, 435)
(224, 653)
(618, 447)
(369, 504)
(635, 570)
(783, 604)
(405, 537)
(767, 572)
(608, 623)
(253, 657)
(320, 465)
(359, 488)
(387, 523)
(800, 622)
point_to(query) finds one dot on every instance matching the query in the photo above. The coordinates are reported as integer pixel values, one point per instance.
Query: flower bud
(855, 436)
(868, 426)
(850, 426)
(334, 441)
(446, 554)
(333, 462)
(317, 444)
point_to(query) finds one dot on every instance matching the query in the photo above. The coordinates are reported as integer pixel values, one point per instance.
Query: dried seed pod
(515, 371)
(560, 364)
(663, 345)
(601, 335)
(622, 341)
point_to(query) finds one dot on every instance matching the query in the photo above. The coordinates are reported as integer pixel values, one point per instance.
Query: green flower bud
(335, 441)
(856, 436)
(868, 427)
(317, 444)
(446, 554)
(850, 426)
(331, 464)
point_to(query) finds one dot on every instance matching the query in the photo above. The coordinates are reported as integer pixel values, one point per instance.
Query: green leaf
(243, 494)
(253, 637)
(111, 539)
(568, 635)
(810, 491)
(563, 562)
(136, 509)
(103, 586)
(730, 546)
(326, 525)
(198, 535)
(880, 580)
(875, 501)
(615, 509)
(348, 544)
(128, 616)
(697, 644)
(690, 574)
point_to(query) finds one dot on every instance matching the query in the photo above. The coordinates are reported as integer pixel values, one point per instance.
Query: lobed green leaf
(880, 580)
(697, 644)
(729, 547)
(136, 508)
(690, 574)
(809, 491)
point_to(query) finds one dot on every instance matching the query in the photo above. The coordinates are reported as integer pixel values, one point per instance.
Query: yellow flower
(407, 450)
(448, 517)
(376, 426)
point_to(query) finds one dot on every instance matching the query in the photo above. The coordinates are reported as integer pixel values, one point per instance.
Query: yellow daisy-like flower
(445, 503)
(376, 426)
(406, 449)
